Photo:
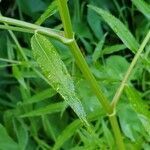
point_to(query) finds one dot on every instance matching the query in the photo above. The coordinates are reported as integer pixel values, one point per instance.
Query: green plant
(56, 74)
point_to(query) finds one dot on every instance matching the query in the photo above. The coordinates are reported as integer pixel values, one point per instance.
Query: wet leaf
(56, 72)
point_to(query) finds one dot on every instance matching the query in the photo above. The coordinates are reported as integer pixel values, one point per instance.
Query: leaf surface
(49, 109)
(56, 72)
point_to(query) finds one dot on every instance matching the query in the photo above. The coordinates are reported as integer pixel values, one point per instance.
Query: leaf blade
(56, 72)
(119, 28)
(49, 109)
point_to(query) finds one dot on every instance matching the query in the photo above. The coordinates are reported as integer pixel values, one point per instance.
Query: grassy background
(53, 125)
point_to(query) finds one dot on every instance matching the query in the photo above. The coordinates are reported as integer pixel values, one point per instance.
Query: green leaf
(143, 7)
(21, 133)
(129, 122)
(119, 28)
(97, 51)
(137, 103)
(30, 7)
(56, 72)
(116, 66)
(49, 109)
(95, 23)
(39, 96)
(113, 48)
(67, 133)
(6, 142)
(70, 130)
(52, 9)
(18, 75)
(48, 129)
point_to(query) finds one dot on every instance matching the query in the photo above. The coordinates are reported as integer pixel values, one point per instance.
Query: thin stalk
(10, 61)
(128, 73)
(19, 29)
(28, 27)
(81, 62)
(17, 44)
(18, 23)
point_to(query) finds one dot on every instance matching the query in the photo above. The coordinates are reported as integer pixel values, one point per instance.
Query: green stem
(116, 131)
(65, 17)
(23, 26)
(81, 62)
(128, 73)
(17, 44)
(18, 29)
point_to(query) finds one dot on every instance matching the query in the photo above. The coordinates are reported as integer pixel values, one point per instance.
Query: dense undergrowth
(37, 74)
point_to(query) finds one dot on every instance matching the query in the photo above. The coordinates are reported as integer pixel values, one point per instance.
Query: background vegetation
(34, 116)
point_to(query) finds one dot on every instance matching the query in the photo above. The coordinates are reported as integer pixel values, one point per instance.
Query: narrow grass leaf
(49, 109)
(10, 51)
(70, 130)
(18, 75)
(56, 72)
(119, 28)
(52, 9)
(97, 51)
(48, 128)
(41, 96)
(21, 133)
(143, 7)
(136, 102)
(67, 133)
(113, 48)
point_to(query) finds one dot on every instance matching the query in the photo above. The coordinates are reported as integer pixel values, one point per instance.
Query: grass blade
(119, 28)
(40, 96)
(113, 49)
(52, 9)
(52, 108)
(98, 49)
(56, 72)
(67, 133)
(73, 127)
